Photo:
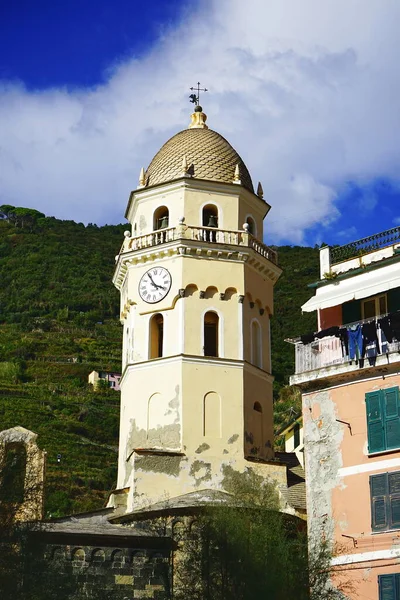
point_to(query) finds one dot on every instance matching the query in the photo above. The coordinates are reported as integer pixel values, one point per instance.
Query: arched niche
(210, 216)
(191, 289)
(256, 343)
(210, 292)
(230, 293)
(252, 225)
(160, 218)
(212, 415)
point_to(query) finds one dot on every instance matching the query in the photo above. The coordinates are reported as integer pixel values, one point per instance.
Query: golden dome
(198, 152)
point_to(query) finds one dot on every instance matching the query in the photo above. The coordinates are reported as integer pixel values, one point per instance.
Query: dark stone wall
(104, 572)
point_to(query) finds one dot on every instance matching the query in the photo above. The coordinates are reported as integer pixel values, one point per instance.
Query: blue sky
(306, 92)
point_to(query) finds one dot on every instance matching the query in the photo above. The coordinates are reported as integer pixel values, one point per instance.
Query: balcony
(208, 235)
(324, 357)
(365, 245)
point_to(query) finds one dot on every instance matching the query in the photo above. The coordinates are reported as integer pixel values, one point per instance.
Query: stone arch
(251, 222)
(212, 415)
(230, 292)
(78, 555)
(160, 218)
(191, 289)
(211, 291)
(98, 555)
(210, 215)
(116, 558)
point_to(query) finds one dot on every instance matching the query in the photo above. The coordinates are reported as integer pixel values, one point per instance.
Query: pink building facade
(349, 374)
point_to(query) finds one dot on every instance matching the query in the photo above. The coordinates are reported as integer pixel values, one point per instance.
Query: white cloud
(305, 91)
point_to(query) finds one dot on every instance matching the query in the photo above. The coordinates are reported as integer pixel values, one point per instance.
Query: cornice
(198, 250)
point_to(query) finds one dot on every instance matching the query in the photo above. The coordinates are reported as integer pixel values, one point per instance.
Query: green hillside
(59, 321)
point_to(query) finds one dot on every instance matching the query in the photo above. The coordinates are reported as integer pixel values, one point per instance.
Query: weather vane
(196, 98)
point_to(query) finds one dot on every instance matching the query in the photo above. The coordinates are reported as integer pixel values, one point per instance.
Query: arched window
(211, 321)
(252, 225)
(257, 407)
(256, 353)
(156, 336)
(210, 216)
(160, 218)
(12, 482)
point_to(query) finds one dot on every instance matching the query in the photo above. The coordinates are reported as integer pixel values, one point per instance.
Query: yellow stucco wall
(185, 417)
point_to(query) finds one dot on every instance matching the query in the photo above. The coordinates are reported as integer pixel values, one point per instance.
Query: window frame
(383, 420)
(385, 501)
(376, 299)
(392, 580)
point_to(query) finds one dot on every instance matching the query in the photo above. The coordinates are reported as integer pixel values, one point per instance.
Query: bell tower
(196, 284)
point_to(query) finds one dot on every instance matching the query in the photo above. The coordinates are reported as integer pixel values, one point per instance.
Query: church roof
(198, 152)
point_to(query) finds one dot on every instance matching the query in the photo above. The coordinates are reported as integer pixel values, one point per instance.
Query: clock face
(155, 285)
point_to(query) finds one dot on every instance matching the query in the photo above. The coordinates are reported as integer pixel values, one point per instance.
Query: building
(112, 379)
(349, 375)
(196, 284)
(293, 437)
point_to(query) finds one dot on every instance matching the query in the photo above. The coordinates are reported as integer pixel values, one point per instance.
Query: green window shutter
(387, 589)
(375, 425)
(351, 311)
(394, 499)
(392, 417)
(393, 300)
(379, 501)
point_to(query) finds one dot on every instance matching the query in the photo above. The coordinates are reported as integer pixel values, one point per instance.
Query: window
(211, 321)
(389, 586)
(385, 501)
(156, 336)
(373, 307)
(383, 419)
(160, 218)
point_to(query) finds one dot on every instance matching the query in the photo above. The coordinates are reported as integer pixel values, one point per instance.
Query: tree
(251, 550)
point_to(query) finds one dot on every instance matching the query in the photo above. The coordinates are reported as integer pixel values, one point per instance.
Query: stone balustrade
(209, 235)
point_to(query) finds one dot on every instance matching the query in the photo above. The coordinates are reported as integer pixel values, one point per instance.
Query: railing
(325, 353)
(365, 245)
(210, 235)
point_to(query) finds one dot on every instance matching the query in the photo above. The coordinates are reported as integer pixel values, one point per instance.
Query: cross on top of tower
(195, 98)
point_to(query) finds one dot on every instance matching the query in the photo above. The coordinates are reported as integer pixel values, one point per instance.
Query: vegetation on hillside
(59, 321)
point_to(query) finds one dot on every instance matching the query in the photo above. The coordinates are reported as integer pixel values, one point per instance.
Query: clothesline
(362, 339)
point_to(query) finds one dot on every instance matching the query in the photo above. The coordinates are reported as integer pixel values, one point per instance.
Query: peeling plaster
(233, 438)
(170, 465)
(201, 471)
(202, 448)
(323, 437)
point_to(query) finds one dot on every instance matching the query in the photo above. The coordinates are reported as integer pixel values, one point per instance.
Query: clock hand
(151, 279)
